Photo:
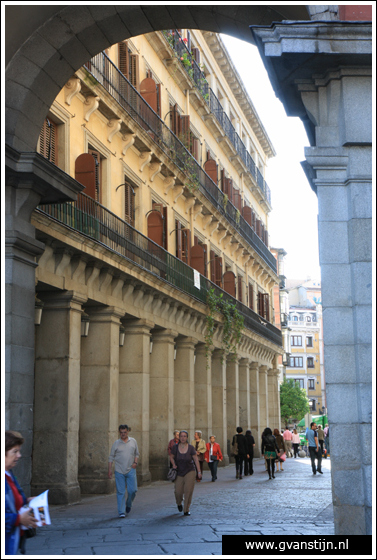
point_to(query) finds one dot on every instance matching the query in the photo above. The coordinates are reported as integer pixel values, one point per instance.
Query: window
(264, 305)
(129, 204)
(216, 268)
(295, 362)
(311, 384)
(310, 362)
(296, 340)
(308, 319)
(309, 341)
(301, 383)
(157, 224)
(182, 242)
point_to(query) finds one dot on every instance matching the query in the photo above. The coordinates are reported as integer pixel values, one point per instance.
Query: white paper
(39, 505)
(196, 279)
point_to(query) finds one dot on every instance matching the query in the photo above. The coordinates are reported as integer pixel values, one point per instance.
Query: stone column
(273, 399)
(219, 409)
(254, 407)
(134, 373)
(29, 180)
(99, 399)
(332, 93)
(57, 398)
(263, 399)
(203, 392)
(184, 385)
(161, 406)
(244, 393)
(232, 399)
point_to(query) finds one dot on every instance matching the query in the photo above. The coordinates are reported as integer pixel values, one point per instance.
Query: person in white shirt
(125, 456)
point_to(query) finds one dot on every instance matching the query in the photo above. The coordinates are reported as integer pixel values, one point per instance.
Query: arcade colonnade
(321, 71)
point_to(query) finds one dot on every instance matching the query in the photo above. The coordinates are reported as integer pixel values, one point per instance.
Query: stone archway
(52, 42)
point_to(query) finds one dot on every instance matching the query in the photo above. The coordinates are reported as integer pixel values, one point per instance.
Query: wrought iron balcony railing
(178, 44)
(96, 222)
(101, 70)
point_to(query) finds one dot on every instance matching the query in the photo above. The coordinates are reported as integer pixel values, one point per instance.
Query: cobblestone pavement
(295, 503)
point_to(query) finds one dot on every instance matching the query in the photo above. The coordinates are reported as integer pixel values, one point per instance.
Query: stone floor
(295, 503)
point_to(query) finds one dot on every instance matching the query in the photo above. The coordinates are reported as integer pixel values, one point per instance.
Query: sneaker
(122, 515)
(128, 509)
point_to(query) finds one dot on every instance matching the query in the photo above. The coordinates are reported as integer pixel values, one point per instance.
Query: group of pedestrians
(243, 452)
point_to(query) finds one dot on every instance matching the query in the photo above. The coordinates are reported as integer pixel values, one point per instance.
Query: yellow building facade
(172, 155)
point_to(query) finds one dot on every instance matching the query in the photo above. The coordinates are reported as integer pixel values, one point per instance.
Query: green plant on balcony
(225, 201)
(233, 324)
(238, 216)
(89, 78)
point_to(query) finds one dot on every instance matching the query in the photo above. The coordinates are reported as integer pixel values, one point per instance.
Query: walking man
(125, 456)
(314, 449)
(287, 436)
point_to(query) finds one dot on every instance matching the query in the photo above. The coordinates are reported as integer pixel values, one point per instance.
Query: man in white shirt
(287, 436)
(125, 456)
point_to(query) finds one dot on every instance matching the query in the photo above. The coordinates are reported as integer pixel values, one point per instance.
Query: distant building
(305, 363)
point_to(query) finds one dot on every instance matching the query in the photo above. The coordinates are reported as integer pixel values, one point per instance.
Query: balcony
(177, 43)
(106, 74)
(94, 221)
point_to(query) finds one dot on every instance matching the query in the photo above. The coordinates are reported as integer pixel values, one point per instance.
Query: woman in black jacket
(270, 451)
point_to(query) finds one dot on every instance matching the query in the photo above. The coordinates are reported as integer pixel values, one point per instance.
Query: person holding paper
(15, 499)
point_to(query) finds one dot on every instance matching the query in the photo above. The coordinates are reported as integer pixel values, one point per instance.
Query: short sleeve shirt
(311, 435)
(184, 461)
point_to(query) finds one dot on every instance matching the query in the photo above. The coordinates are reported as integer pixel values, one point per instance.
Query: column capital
(138, 326)
(63, 300)
(164, 335)
(105, 313)
(263, 369)
(254, 365)
(273, 372)
(244, 361)
(186, 341)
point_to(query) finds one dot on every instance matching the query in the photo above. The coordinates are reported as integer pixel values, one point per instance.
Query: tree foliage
(293, 401)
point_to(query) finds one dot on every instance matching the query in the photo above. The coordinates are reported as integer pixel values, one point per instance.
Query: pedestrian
(280, 443)
(327, 440)
(125, 456)
(173, 442)
(314, 449)
(213, 455)
(270, 451)
(200, 447)
(240, 456)
(184, 458)
(287, 435)
(15, 499)
(321, 438)
(250, 444)
(295, 442)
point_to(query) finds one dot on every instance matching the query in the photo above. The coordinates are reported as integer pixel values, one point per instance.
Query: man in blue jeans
(125, 456)
(314, 449)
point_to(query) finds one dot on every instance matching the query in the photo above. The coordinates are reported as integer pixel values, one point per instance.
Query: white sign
(196, 279)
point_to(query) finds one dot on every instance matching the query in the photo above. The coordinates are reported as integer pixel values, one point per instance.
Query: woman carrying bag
(213, 455)
(200, 447)
(184, 458)
(270, 451)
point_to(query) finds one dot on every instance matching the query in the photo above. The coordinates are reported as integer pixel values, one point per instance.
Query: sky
(293, 221)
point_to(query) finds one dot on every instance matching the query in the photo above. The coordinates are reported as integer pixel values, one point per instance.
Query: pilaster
(219, 400)
(255, 407)
(232, 398)
(244, 392)
(203, 392)
(184, 385)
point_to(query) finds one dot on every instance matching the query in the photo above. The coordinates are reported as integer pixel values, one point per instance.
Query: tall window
(295, 362)
(310, 363)
(264, 305)
(311, 384)
(309, 341)
(129, 204)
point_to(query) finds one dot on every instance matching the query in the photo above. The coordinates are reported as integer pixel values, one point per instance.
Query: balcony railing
(102, 70)
(177, 43)
(96, 222)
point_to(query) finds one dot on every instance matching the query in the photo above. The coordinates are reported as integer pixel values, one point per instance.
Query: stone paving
(295, 503)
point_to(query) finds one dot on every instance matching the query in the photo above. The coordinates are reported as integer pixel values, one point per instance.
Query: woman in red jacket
(213, 455)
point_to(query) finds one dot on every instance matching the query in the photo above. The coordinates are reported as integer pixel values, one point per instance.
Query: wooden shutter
(158, 100)
(196, 54)
(218, 270)
(48, 141)
(164, 211)
(264, 305)
(134, 71)
(239, 288)
(222, 180)
(123, 58)
(258, 227)
(85, 173)
(251, 296)
(175, 120)
(185, 130)
(197, 259)
(155, 223)
(186, 244)
(229, 280)
(148, 91)
(128, 204)
(237, 201)
(195, 148)
(229, 189)
(212, 265)
(178, 240)
(246, 213)
(97, 159)
(210, 167)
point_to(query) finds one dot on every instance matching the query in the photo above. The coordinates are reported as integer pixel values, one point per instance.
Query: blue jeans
(123, 481)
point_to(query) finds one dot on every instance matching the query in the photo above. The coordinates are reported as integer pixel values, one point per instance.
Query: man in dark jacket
(250, 444)
(241, 455)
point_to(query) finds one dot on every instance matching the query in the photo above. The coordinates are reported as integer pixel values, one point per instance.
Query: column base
(59, 494)
(158, 472)
(97, 485)
(144, 478)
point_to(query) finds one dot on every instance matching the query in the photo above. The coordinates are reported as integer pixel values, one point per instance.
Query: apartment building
(174, 213)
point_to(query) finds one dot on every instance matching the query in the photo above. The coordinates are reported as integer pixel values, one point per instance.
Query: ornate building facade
(143, 278)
